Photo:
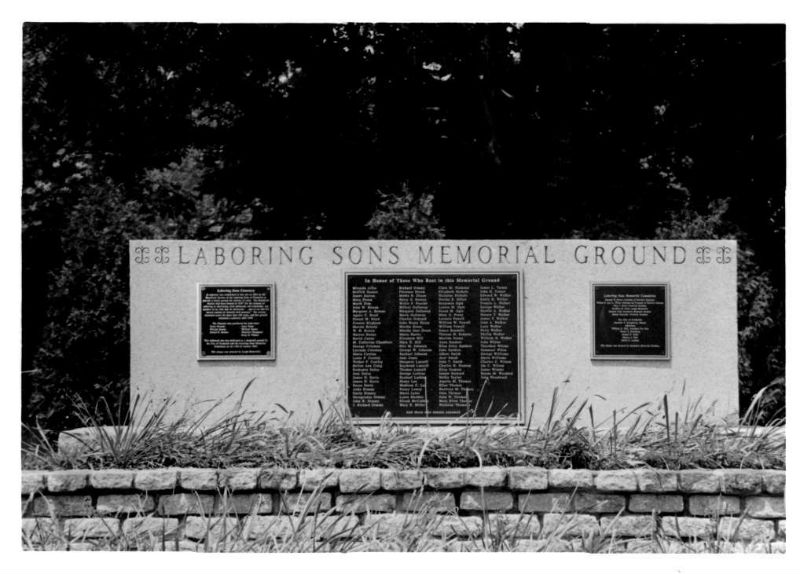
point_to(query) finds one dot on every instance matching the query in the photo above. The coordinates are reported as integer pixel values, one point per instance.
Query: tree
(405, 216)
(760, 313)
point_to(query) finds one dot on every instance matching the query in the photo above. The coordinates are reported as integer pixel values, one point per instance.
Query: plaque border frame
(272, 320)
(667, 356)
(517, 419)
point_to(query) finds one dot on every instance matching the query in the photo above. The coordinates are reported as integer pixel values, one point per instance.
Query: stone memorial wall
(435, 330)
(639, 510)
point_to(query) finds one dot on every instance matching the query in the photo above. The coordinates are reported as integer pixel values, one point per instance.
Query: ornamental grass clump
(656, 434)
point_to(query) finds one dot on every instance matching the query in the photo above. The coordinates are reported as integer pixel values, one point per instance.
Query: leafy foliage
(85, 344)
(761, 336)
(405, 216)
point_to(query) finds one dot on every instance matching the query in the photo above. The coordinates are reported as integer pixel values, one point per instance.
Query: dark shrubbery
(84, 350)
(760, 310)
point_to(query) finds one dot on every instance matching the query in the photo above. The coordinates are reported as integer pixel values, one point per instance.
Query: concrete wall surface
(556, 279)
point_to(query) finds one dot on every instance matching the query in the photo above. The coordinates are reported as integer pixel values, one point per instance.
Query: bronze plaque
(433, 346)
(237, 322)
(630, 321)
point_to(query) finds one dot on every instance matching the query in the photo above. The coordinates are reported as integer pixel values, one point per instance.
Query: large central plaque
(237, 322)
(433, 345)
(631, 321)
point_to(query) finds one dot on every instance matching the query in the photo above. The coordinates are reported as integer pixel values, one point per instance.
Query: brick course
(244, 504)
(198, 478)
(739, 506)
(774, 481)
(616, 481)
(185, 503)
(214, 528)
(308, 502)
(688, 526)
(239, 478)
(442, 478)
(628, 525)
(657, 480)
(32, 481)
(150, 526)
(401, 479)
(545, 502)
(360, 480)
(702, 505)
(661, 503)
(318, 478)
(598, 503)
(490, 476)
(67, 480)
(360, 503)
(521, 525)
(428, 502)
(527, 479)
(570, 524)
(765, 507)
(91, 527)
(111, 504)
(486, 500)
(746, 528)
(740, 481)
(703, 481)
(566, 478)
(69, 505)
(278, 479)
(155, 479)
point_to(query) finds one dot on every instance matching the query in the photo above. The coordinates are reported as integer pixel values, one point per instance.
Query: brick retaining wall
(731, 505)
